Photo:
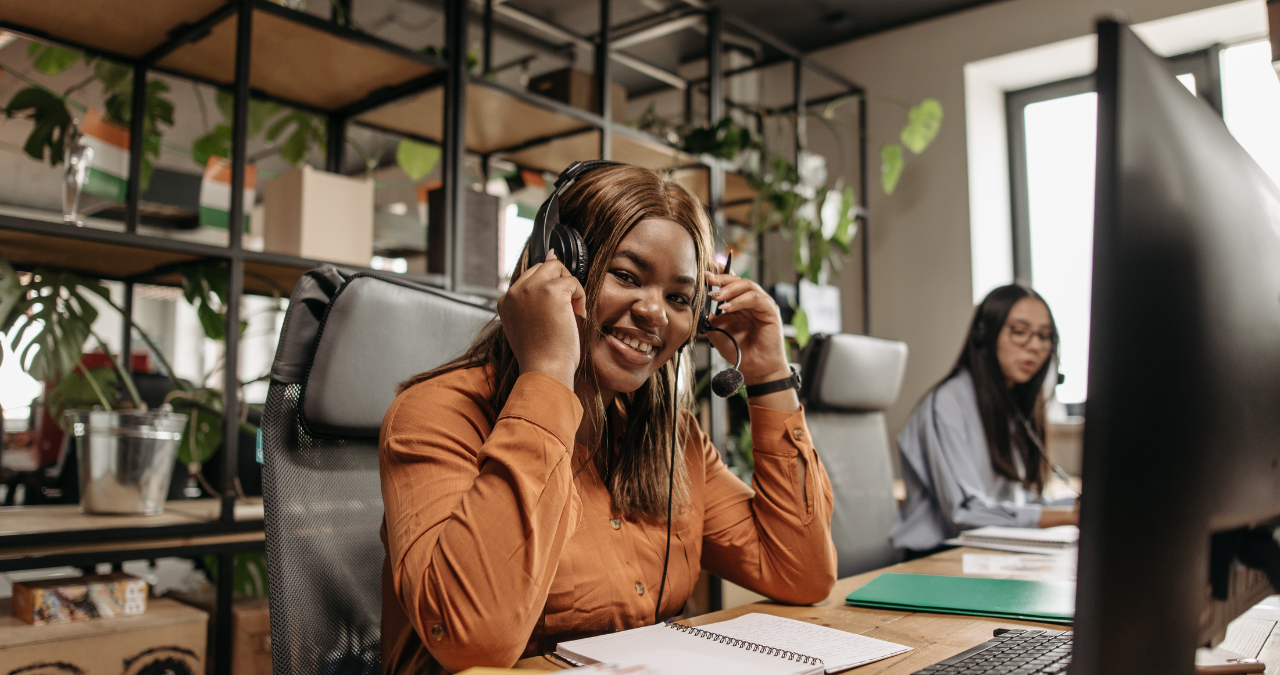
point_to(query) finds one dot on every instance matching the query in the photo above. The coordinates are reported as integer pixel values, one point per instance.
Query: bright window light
(1061, 143)
(1188, 80)
(1250, 99)
(17, 389)
(516, 231)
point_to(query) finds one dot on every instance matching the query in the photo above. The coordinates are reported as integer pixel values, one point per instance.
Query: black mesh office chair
(848, 382)
(348, 339)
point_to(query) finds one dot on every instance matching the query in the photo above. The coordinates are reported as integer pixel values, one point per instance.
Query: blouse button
(639, 588)
(437, 632)
(797, 434)
(617, 524)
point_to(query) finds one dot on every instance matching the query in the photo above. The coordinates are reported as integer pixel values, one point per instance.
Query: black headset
(550, 234)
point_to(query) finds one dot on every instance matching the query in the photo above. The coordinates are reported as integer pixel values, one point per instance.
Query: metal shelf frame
(453, 76)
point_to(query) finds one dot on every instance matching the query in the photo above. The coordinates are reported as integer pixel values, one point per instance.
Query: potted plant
(125, 451)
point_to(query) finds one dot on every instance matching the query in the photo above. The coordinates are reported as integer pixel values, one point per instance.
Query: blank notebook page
(665, 647)
(838, 649)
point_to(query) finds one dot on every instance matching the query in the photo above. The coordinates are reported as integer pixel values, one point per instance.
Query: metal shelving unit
(261, 50)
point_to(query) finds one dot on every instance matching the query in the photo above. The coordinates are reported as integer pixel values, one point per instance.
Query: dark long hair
(604, 205)
(1004, 410)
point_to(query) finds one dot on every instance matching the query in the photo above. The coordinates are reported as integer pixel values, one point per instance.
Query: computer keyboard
(1011, 652)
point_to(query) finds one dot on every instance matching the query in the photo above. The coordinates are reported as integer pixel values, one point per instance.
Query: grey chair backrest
(848, 382)
(348, 339)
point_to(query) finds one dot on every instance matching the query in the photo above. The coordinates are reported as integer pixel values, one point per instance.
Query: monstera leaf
(923, 123)
(49, 319)
(890, 167)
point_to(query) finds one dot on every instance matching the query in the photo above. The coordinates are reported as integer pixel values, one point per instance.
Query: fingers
(751, 301)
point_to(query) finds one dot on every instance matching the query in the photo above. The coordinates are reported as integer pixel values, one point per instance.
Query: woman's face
(645, 305)
(1025, 341)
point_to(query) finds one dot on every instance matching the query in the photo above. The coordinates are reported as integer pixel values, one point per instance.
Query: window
(1052, 143)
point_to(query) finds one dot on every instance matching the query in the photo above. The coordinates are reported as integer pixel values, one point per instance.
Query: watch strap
(791, 382)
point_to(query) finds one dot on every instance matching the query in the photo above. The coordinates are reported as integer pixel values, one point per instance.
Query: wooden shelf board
(296, 62)
(130, 28)
(15, 520)
(556, 154)
(91, 258)
(106, 254)
(737, 189)
(495, 119)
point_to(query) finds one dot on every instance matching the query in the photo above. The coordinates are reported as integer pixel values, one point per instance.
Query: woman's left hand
(753, 319)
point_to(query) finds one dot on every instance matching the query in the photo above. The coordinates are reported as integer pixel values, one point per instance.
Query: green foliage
(204, 285)
(800, 321)
(890, 166)
(158, 109)
(216, 143)
(51, 118)
(203, 433)
(308, 130)
(923, 123)
(248, 576)
(115, 77)
(52, 314)
(725, 140)
(76, 391)
(745, 447)
(416, 159)
(50, 60)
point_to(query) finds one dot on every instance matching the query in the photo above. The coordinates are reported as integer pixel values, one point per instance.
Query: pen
(728, 266)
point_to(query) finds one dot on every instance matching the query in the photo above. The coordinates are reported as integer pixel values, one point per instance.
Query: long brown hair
(604, 205)
(1004, 410)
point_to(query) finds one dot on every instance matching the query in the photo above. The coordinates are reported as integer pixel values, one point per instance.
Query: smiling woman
(526, 484)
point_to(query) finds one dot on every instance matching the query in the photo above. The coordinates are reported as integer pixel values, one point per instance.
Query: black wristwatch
(785, 383)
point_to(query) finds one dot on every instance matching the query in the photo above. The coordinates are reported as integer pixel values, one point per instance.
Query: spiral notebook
(752, 643)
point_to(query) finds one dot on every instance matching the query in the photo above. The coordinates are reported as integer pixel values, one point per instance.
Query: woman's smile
(634, 346)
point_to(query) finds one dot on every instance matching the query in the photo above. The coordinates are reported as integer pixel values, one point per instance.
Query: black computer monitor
(1183, 434)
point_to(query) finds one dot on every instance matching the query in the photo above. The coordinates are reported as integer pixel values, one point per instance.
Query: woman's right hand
(539, 317)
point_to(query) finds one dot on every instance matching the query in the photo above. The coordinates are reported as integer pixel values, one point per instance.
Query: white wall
(921, 276)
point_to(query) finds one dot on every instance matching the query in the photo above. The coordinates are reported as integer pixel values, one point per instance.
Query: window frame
(1203, 63)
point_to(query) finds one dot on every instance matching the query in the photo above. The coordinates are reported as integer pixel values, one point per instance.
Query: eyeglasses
(1021, 336)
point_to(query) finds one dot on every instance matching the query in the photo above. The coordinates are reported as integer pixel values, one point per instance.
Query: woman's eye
(624, 277)
(679, 299)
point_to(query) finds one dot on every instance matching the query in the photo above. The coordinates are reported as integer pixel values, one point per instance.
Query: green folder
(1047, 601)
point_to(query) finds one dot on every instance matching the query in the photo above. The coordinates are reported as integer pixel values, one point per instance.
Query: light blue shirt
(951, 485)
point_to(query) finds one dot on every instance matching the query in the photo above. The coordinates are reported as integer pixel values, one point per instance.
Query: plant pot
(126, 458)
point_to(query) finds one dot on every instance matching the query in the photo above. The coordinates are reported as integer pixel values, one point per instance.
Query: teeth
(642, 347)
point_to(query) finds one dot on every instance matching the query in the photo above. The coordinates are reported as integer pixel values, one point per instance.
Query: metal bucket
(126, 458)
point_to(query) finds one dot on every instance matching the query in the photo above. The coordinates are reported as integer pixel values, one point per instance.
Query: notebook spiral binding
(750, 646)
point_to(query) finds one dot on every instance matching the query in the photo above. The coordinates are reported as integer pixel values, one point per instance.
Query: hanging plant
(50, 112)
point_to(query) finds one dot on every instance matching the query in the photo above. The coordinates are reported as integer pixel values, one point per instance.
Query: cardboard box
(250, 629)
(170, 637)
(321, 215)
(96, 596)
(578, 89)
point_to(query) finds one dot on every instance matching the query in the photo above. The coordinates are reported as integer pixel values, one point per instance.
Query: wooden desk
(933, 637)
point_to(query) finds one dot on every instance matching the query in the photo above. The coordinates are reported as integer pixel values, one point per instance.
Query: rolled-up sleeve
(776, 539)
(475, 525)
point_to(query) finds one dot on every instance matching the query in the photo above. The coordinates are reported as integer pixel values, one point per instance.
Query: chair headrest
(852, 372)
(350, 338)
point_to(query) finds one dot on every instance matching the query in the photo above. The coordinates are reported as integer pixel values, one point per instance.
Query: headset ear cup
(572, 250)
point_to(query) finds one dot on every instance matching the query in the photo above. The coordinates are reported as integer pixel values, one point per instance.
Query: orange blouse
(500, 543)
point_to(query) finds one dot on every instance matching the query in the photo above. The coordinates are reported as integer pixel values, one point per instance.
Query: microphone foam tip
(726, 382)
